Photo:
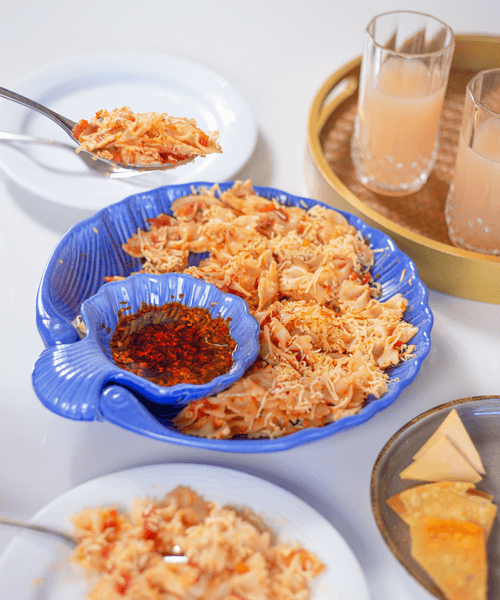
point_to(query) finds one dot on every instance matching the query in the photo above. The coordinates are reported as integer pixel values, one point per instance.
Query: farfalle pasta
(326, 342)
(145, 139)
(230, 552)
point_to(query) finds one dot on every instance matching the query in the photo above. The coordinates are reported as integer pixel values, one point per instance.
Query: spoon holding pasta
(127, 140)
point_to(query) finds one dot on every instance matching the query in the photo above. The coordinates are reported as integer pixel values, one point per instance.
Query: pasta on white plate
(326, 342)
(231, 553)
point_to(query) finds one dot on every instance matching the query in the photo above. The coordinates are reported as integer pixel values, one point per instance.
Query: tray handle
(341, 91)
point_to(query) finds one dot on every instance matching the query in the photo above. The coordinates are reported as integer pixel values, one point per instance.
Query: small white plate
(35, 567)
(77, 88)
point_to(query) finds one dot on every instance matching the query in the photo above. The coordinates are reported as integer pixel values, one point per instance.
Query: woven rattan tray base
(416, 222)
(422, 212)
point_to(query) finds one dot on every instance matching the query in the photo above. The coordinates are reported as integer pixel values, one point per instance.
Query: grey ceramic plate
(481, 417)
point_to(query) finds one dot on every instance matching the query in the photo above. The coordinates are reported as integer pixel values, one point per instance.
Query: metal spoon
(176, 557)
(68, 126)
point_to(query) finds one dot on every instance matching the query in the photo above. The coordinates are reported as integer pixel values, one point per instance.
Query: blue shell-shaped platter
(92, 250)
(68, 378)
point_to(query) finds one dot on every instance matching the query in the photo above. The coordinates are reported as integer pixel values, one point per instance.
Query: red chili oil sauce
(173, 344)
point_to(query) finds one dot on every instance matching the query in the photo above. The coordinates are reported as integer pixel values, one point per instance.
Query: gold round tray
(416, 222)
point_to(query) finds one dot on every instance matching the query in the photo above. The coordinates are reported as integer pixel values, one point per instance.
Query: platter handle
(68, 379)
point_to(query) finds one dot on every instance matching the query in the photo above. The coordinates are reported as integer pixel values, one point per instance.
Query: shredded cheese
(326, 342)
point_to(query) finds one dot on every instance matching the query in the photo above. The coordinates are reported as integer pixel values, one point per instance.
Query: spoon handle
(63, 122)
(32, 526)
(176, 557)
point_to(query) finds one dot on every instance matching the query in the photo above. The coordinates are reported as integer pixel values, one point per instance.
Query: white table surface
(277, 53)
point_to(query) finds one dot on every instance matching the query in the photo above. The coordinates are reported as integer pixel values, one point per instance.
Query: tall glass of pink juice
(473, 203)
(404, 73)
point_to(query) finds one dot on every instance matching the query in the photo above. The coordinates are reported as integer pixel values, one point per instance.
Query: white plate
(77, 88)
(34, 566)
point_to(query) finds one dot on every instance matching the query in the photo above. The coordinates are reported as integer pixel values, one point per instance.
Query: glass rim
(448, 48)
(475, 101)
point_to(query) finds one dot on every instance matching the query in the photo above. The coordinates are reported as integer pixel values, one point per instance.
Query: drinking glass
(404, 73)
(473, 203)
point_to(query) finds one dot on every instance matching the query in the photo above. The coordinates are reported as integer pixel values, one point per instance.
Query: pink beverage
(398, 127)
(473, 203)
(404, 73)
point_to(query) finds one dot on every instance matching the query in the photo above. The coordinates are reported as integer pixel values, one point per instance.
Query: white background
(277, 54)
